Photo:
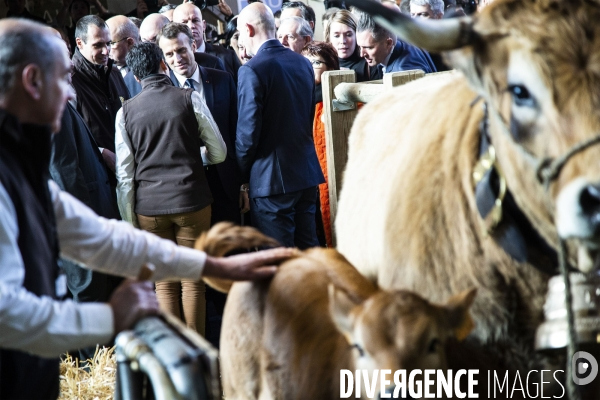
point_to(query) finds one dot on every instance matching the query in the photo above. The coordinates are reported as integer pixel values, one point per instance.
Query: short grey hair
(437, 6)
(21, 46)
(127, 30)
(366, 23)
(304, 28)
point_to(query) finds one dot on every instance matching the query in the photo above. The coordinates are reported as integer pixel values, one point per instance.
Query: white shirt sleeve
(215, 150)
(115, 247)
(41, 325)
(48, 328)
(125, 171)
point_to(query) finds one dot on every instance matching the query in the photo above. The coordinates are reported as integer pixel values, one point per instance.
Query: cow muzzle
(578, 218)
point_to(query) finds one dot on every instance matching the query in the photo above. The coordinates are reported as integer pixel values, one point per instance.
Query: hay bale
(95, 382)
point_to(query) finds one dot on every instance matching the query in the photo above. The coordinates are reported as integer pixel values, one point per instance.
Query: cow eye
(521, 96)
(433, 346)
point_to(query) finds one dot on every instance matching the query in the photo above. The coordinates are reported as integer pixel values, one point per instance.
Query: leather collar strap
(513, 230)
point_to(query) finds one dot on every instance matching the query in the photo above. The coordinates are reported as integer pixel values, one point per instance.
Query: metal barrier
(164, 360)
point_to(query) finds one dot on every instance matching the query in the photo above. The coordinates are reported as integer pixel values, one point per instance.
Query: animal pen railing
(340, 97)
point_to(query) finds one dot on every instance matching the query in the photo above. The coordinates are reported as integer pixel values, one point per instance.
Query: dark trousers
(289, 218)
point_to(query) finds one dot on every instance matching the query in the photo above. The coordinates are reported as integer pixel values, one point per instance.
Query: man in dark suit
(219, 92)
(224, 179)
(385, 53)
(274, 144)
(190, 15)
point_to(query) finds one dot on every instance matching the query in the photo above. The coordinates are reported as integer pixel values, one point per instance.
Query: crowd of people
(142, 119)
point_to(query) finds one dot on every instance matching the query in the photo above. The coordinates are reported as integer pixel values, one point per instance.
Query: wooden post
(337, 129)
(400, 78)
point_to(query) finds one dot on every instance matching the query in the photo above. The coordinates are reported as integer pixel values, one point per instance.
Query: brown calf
(290, 337)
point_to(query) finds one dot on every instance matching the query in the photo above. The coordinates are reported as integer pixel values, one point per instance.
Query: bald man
(153, 24)
(274, 144)
(37, 221)
(124, 34)
(190, 15)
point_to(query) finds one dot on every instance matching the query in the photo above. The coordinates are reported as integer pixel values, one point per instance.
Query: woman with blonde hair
(341, 33)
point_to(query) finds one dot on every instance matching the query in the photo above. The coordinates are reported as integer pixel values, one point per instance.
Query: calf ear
(458, 313)
(340, 307)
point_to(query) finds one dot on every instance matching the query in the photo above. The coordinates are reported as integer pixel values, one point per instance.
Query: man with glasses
(124, 35)
(294, 33)
(100, 88)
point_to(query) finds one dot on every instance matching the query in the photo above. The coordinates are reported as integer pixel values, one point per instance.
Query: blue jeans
(289, 218)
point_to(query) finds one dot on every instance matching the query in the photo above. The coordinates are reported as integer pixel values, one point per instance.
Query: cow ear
(340, 307)
(458, 313)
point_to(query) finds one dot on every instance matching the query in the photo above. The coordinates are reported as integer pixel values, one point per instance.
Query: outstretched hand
(248, 266)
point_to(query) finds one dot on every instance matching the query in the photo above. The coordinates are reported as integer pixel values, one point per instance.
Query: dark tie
(189, 83)
(379, 71)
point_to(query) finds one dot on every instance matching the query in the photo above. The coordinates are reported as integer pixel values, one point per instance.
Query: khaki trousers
(187, 297)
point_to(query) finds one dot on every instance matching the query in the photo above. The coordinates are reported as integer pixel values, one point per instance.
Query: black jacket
(101, 92)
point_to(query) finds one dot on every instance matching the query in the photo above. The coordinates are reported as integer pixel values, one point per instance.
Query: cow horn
(436, 36)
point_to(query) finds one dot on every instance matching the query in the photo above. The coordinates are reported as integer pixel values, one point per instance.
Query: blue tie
(190, 83)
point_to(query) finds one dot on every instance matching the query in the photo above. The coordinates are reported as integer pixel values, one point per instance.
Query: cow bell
(553, 333)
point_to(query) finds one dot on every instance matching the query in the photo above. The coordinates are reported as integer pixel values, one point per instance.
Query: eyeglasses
(113, 44)
(317, 63)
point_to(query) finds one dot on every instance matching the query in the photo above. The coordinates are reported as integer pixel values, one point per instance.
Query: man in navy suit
(224, 179)
(218, 90)
(274, 144)
(385, 53)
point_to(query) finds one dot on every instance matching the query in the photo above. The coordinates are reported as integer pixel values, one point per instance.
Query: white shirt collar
(202, 48)
(195, 77)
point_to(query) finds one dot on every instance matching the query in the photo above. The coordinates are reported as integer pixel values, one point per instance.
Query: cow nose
(589, 201)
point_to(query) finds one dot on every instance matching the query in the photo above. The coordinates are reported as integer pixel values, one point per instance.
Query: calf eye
(433, 346)
(521, 96)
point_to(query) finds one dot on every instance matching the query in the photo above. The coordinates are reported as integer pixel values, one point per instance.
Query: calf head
(536, 63)
(399, 329)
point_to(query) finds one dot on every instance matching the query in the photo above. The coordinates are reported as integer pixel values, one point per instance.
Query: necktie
(189, 83)
(380, 71)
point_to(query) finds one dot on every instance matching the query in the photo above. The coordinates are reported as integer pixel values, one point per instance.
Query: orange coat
(319, 138)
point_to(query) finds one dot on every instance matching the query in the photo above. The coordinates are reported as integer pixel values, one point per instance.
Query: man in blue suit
(224, 179)
(219, 92)
(385, 53)
(274, 143)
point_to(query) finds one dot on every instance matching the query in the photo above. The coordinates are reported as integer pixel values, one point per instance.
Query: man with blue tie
(218, 90)
(160, 156)
(224, 179)
(274, 143)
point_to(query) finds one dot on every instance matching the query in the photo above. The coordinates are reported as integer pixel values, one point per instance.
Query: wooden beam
(358, 92)
(337, 130)
(400, 78)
